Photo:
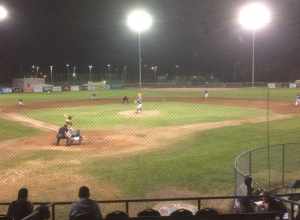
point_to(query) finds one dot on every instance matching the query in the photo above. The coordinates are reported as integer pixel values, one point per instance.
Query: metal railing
(270, 167)
(128, 205)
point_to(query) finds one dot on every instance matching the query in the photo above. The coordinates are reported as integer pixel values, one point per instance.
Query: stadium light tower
(253, 17)
(139, 21)
(51, 72)
(90, 72)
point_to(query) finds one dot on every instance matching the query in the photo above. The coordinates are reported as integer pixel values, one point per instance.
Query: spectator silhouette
(248, 183)
(85, 208)
(117, 215)
(43, 213)
(271, 204)
(149, 213)
(181, 214)
(21, 207)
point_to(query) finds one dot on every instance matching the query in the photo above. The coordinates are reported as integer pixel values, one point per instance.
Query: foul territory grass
(10, 130)
(202, 163)
(168, 113)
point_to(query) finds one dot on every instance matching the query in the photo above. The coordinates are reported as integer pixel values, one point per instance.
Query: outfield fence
(271, 168)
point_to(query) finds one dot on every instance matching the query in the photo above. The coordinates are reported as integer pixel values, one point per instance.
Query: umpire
(62, 134)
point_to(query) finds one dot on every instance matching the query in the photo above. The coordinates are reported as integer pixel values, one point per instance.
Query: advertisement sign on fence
(271, 85)
(56, 89)
(75, 88)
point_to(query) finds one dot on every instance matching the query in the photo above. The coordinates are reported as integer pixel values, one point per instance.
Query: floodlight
(254, 16)
(139, 21)
(3, 13)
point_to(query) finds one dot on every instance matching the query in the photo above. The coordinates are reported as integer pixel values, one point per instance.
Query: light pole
(51, 73)
(33, 68)
(90, 72)
(254, 17)
(139, 21)
(67, 66)
(74, 75)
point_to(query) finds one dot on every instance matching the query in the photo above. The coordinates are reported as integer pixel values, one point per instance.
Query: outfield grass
(241, 93)
(170, 113)
(202, 163)
(10, 130)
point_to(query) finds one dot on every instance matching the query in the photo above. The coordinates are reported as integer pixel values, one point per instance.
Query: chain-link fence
(271, 168)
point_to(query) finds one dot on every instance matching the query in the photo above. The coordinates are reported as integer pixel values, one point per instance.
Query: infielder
(20, 102)
(205, 94)
(139, 103)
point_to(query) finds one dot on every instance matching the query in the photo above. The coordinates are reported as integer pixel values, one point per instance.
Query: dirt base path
(116, 142)
(29, 121)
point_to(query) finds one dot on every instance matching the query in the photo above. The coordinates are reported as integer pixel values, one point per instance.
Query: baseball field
(180, 145)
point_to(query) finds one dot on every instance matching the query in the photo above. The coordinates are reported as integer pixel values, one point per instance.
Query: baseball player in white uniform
(139, 103)
(297, 103)
(205, 94)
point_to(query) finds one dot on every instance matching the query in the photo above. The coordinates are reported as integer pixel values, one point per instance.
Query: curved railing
(270, 167)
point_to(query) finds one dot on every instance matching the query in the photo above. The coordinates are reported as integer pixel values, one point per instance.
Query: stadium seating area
(265, 207)
(177, 215)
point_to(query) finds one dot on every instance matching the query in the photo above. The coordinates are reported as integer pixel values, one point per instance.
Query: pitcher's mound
(133, 114)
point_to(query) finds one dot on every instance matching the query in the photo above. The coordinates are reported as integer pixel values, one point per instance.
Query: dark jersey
(62, 131)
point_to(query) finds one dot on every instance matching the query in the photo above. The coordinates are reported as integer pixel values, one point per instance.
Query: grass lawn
(242, 93)
(170, 113)
(202, 163)
(10, 130)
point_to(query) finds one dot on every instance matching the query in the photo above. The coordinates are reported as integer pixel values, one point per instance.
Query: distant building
(29, 84)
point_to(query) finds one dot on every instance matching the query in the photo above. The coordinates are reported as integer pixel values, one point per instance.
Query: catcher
(63, 133)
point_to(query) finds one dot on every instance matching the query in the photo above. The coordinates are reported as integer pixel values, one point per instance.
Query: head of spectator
(266, 197)
(84, 192)
(23, 194)
(117, 215)
(21, 207)
(85, 208)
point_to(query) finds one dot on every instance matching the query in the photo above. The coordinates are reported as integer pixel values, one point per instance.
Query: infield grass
(169, 113)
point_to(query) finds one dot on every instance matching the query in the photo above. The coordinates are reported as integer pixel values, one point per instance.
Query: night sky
(199, 35)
